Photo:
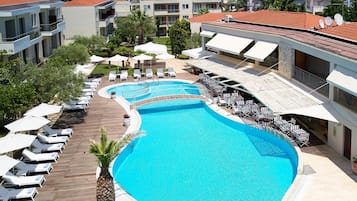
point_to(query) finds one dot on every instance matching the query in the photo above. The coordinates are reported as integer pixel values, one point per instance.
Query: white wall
(80, 20)
(195, 27)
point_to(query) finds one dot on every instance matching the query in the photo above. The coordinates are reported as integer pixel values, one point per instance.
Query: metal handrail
(311, 80)
(33, 31)
(50, 27)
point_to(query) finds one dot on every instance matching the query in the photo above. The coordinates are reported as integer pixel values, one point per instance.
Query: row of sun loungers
(82, 102)
(137, 74)
(28, 173)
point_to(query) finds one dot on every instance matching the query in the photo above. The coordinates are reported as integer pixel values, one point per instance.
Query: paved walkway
(327, 175)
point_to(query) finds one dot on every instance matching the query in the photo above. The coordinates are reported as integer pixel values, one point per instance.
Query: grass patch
(104, 69)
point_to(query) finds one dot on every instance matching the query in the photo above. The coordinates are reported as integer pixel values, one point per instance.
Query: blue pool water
(189, 152)
(145, 90)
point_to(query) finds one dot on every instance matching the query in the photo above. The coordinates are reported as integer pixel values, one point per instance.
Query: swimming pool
(144, 90)
(190, 152)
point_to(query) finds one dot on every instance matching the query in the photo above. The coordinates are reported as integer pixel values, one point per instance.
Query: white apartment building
(166, 12)
(86, 18)
(31, 29)
(293, 66)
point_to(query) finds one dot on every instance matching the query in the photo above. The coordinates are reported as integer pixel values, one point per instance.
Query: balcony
(52, 28)
(20, 42)
(166, 12)
(311, 80)
(105, 15)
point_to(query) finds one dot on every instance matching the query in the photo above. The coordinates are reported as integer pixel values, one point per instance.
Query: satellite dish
(338, 18)
(322, 24)
(328, 21)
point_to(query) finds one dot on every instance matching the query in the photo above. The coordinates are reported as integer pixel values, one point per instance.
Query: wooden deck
(73, 176)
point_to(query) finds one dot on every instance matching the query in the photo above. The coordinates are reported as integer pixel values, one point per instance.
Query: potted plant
(354, 165)
(126, 120)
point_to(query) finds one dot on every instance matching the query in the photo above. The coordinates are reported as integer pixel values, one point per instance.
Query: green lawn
(104, 69)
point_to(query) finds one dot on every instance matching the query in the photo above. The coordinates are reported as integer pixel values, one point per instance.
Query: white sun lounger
(53, 131)
(51, 140)
(171, 72)
(123, 75)
(7, 194)
(68, 107)
(160, 72)
(30, 169)
(112, 76)
(137, 74)
(38, 147)
(148, 73)
(11, 180)
(33, 157)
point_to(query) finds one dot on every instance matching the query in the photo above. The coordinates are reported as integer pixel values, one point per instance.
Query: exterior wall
(122, 8)
(195, 27)
(287, 49)
(80, 21)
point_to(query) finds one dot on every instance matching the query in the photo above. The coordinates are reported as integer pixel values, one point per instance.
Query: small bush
(124, 51)
(182, 56)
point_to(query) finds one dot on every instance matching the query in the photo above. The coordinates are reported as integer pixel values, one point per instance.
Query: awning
(260, 51)
(195, 53)
(344, 79)
(207, 34)
(12, 142)
(321, 111)
(277, 93)
(227, 43)
(6, 163)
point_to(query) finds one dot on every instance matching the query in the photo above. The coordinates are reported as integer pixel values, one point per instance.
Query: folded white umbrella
(6, 163)
(43, 109)
(165, 56)
(12, 142)
(118, 58)
(27, 123)
(96, 59)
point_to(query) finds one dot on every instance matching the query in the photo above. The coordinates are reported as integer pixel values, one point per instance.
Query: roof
(339, 47)
(347, 30)
(283, 18)
(208, 17)
(17, 2)
(84, 2)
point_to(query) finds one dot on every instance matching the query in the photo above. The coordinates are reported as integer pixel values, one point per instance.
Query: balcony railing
(312, 81)
(34, 33)
(50, 27)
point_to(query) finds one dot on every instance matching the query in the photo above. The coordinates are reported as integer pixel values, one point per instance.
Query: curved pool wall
(277, 148)
(149, 89)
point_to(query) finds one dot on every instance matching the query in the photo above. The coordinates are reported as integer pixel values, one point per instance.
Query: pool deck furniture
(148, 73)
(112, 76)
(51, 140)
(58, 132)
(38, 147)
(23, 168)
(29, 156)
(171, 72)
(11, 180)
(160, 73)
(7, 194)
(123, 75)
(137, 74)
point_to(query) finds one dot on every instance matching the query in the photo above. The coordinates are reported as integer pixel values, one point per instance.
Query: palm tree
(144, 24)
(106, 152)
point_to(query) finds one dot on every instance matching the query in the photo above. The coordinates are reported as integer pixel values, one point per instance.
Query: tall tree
(144, 24)
(92, 43)
(178, 33)
(106, 151)
(338, 6)
(73, 54)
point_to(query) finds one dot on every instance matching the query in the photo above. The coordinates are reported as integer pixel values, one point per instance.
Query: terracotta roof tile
(84, 2)
(347, 30)
(216, 16)
(16, 2)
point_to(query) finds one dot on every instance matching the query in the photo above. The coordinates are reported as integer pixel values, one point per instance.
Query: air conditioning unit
(228, 18)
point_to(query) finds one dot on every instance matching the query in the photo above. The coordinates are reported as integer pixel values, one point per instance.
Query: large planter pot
(354, 167)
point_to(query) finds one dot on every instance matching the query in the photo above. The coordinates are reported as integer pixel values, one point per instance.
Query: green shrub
(182, 56)
(124, 51)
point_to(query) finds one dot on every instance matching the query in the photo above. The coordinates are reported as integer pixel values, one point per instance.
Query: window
(34, 20)
(185, 17)
(347, 100)
(185, 6)
(146, 7)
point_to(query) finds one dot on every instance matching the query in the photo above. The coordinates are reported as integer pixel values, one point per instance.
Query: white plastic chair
(33, 157)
